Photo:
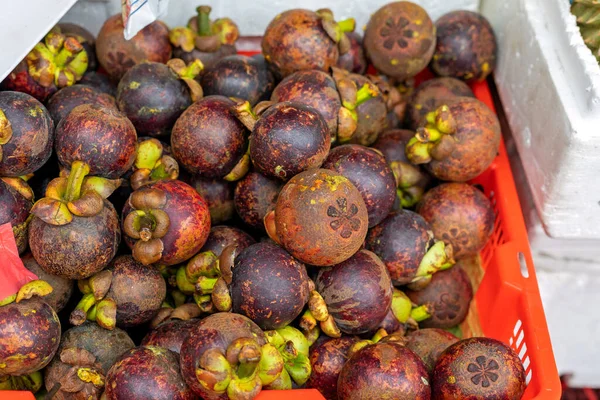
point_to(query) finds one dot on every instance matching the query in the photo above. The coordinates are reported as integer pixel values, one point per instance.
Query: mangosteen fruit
(404, 241)
(83, 36)
(226, 354)
(293, 347)
(62, 288)
(153, 95)
(457, 141)
(209, 140)
(396, 96)
(400, 39)
(266, 285)
(460, 215)
(222, 236)
(26, 134)
(327, 359)
(55, 62)
(99, 81)
(384, 370)
(356, 293)
(170, 334)
(66, 99)
(369, 172)
(17, 199)
(75, 231)
(354, 59)
(116, 54)
(431, 94)
(203, 39)
(165, 222)
(254, 196)
(429, 344)
(320, 218)
(287, 138)
(447, 298)
(29, 330)
(411, 180)
(481, 368)
(146, 372)
(240, 77)
(126, 294)
(466, 46)
(84, 357)
(101, 137)
(219, 194)
(300, 39)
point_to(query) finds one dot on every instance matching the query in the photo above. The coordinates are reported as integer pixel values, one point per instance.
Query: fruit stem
(245, 114)
(365, 93)
(347, 25)
(431, 141)
(78, 172)
(420, 313)
(205, 285)
(79, 314)
(439, 256)
(204, 20)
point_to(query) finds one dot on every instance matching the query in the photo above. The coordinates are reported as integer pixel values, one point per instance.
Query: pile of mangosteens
(208, 225)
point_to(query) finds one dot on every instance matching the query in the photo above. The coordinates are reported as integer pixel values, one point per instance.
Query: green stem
(79, 170)
(365, 93)
(420, 313)
(347, 25)
(203, 20)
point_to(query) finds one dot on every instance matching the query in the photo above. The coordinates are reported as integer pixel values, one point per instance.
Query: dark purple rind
(254, 196)
(223, 236)
(66, 99)
(327, 359)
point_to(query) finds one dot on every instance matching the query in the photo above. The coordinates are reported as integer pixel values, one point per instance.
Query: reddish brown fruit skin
(20, 80)
(147, 373)
(99, 81)
(358, 292)
(101, 137)
(107, 346)
(170, 335)
(338, 208)
(30, 334)
(223, 236)
(477, 141)
(239, 76)
(315, 89)
(482, 368)
(15, 210)
(219, 196)
(269, 286)
(371, 175)
(384, 371)
(401, 240)
(138, 291)
(392, 144)
(62, 288)
(391, 43)
(295, 40)
(208, 139)
(208, 59)
(460, 215)
(189, 221)
(79, 249)
(67, 98)
(327, 359)
(447, 297)
(32, 134)
(289, 138)
(431, 94)
(152, 97)
(391, 324)
(466, 46)
(116, 55)
(429, 344)
(254, 196)
(372, 115)
(354, 60)
(215, 331)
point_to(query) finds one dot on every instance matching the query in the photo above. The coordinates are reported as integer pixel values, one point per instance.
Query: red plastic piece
(13, 273)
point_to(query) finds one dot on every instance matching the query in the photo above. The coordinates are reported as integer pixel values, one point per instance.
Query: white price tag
(137, 14)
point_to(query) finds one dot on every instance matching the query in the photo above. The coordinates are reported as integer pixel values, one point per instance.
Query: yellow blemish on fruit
(134, 85)
(415, 34)
(418, 22)
(313, 201)
(451, 379)
(149, 110)
(418, 106)
(34, 112)
(393, 61)
(485, 67)
(334, 181)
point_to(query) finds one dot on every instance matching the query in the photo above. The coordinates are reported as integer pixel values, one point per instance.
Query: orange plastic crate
(508, 298)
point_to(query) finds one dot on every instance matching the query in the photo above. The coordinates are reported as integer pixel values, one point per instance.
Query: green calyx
(32, 382)
(293, 347)
(439, 257)
(403, 309)
(188, 74)
(5, 131)
(358, 345)
(434, 141)
(337, 30)
(58, 60)
(27, 291)
(151, 165)
(227, 30)
(94, 305)
(587, 13)
(76, 195)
